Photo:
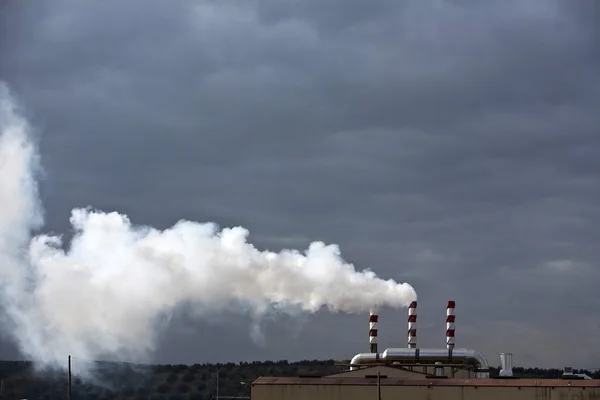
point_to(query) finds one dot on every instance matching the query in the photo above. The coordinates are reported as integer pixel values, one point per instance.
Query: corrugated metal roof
(428, 382)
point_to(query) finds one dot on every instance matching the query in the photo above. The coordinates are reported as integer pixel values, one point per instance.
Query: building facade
(378, 388)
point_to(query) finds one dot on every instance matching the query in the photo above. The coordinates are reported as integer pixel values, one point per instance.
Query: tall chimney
(412, 325)
(450, 318)
(373, 317)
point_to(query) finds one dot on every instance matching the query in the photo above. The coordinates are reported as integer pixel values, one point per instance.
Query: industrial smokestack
(373, 318)
(412, 325)
(450, 318)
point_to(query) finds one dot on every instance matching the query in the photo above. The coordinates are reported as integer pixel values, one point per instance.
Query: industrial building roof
(265, 380)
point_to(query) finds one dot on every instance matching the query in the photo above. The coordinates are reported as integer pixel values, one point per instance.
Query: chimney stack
(412, 325)
(450, 318)
(373, 317)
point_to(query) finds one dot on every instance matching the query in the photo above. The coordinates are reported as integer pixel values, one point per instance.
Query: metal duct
(506, 364)
(426, 356)
(364, 359)
(450, 327)
(412, 325)
(373, 318)
(439, 369)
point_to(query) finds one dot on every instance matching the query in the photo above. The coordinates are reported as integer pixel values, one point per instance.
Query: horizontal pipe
(428, 355)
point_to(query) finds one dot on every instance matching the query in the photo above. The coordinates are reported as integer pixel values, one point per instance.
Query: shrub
(183, 388)
(172, 378)
(180, 368)
(189, 377)
(163, 388)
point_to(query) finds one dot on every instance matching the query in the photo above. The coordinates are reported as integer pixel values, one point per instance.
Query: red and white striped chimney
(373, 317)
(450, 318)
(412, 325)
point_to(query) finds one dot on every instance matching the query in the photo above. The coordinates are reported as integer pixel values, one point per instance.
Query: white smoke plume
(104, 292)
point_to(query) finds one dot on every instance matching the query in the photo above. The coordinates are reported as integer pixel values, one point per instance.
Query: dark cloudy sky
(451, 144)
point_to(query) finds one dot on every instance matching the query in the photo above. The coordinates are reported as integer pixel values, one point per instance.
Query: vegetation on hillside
(172, 382)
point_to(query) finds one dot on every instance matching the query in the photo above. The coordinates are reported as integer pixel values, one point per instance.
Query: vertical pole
(69, 377)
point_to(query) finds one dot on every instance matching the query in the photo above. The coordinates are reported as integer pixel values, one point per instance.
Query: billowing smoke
(104, 291)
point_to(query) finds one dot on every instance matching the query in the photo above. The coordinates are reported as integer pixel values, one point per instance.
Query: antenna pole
(69, 377)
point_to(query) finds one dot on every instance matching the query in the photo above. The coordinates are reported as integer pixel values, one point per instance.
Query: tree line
(110, 380)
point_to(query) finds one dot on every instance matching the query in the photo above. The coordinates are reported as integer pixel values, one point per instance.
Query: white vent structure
(506, 364)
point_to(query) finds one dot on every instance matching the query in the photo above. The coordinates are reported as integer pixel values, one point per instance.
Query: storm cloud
(450, 144)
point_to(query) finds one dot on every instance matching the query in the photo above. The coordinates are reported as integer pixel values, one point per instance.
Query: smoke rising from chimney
(104, 291)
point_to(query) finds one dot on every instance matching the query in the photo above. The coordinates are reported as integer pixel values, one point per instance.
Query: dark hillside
(133, 381)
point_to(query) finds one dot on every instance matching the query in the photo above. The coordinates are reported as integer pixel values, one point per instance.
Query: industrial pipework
(450, 327)
(425, 356)
(373, 318)
(412, 325)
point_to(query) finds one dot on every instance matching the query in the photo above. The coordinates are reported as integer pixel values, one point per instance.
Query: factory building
(414, 373)
(330, 388)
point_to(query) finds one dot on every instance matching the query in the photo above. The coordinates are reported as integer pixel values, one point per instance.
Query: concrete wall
(363, 392)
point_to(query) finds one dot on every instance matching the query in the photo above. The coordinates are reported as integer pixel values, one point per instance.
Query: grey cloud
(451, 143)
